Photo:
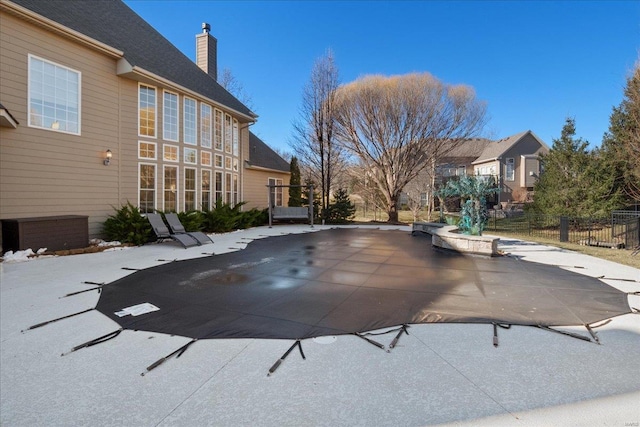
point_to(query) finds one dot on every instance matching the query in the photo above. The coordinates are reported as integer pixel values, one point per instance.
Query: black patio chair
(177, 228)
(163, 233)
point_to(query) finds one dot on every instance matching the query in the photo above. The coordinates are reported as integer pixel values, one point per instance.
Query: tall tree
(314, 141)
(621, 144)
(295, 192)
(397, 126)
(574, 182)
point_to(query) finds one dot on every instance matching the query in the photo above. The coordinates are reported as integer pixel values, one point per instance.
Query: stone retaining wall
(447, 237)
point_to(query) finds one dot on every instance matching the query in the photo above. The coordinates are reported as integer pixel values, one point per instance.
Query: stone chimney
(207, 51)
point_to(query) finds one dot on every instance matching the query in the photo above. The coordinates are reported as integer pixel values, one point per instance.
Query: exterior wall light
(107, 157)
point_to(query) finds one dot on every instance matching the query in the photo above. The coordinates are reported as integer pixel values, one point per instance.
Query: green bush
(127, 225)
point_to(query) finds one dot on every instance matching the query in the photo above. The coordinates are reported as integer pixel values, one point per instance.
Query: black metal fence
(620, 230)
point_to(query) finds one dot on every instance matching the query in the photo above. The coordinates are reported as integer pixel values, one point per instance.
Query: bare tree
(313, 140)
(414, 190)
(228, 81)
(398, 126)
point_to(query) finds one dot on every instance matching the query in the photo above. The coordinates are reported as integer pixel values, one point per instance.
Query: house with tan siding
(98, 109)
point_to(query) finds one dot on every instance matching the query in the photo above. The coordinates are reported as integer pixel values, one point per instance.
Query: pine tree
(575, 182)
(621, 144)
(342, 209)
(295, 193)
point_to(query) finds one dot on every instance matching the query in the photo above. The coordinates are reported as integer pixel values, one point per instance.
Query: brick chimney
(207, 51)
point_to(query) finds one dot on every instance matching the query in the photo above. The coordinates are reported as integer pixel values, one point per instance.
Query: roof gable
(113, 23)
(496, 149)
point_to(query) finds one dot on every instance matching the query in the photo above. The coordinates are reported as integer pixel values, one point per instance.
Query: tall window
(236, 190)
(190, 122)
(227, 188)
(228, 131)
(170, 116)
(205, 190)
(235, 137)
(189, 189)
(218, 188)
(276, 192)
(170, 188)
(218, 129)
(205, 125)
(147, 188)
(205, 158)
(218, 161)
(147, 111)
(510, 173)
(54, 96)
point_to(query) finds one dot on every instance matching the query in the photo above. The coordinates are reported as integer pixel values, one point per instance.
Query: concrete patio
(448, 374)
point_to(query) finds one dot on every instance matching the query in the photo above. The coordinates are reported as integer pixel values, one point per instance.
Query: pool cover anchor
(39, 325)
(495, 332)
(176, 353)
(567, 333)
(403, 329)
(284, 356)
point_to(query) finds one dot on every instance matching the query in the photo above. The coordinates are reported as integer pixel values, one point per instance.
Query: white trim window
(170, 116)
(217, 135)
(276, 192)
(191, 156)
(147, 150)
(227, 186)
(205, 125)
(190, 121)
(218, 187)
(236, 189)
(510, 169)
(236, 165)
(205, 158)
(189, 189)
(218, 161)
(170, 153)
(146, 187)
(228, 133)
(54, 96)
(170, 189)
(236, 137)
(205, 189)
(146, 111)
(227, 163)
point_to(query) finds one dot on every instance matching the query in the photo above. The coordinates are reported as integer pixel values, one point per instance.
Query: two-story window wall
(181, 159)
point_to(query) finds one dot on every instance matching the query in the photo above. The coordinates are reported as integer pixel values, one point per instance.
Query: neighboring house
(512, 163)
(98, 109)
(515, 162)
(264, 167)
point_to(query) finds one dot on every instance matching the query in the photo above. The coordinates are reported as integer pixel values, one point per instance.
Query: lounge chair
(162, 232)
(177, 228)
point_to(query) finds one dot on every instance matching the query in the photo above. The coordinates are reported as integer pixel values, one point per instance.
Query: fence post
(564, 229)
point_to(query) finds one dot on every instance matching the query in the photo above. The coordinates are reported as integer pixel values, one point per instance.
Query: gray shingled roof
(496, 149)
(113, 23)
(261, 155)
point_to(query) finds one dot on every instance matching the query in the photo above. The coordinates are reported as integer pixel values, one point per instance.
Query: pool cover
(343, 281)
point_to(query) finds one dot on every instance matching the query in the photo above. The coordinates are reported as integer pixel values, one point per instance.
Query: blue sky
(534, 63)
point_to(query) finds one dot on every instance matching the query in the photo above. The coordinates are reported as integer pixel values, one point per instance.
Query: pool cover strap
(177, 353)
(90, 343)
(284, 356)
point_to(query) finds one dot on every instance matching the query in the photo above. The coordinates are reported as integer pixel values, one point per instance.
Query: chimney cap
(206, 28)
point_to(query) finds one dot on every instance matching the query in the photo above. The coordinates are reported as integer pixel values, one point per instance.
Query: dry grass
(621, 256)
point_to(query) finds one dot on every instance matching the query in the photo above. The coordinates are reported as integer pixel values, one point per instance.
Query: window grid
(205, 190)
(205, 158)
(228, 131)
(235, 137)
(147, 188)
(218, 129)
(170, 116)
(147, 150)
(189, 189)
(171, 153)
(170, 188)
(227, 187)
(54, 96)
(147, 111)
(205, 125)
(190, 121)
(218, 188)
(191, 156)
